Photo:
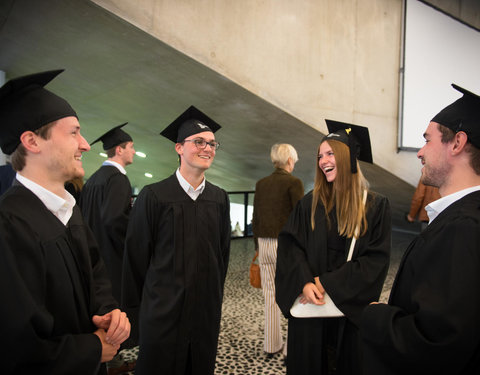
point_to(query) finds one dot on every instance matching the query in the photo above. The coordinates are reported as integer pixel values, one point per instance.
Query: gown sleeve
(225, 235)
(357, 283)
(139, 243)
(104, 301)
(83, 240)
(293, 271)
(437, 329)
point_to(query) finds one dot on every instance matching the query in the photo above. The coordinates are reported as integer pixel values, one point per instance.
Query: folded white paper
(309, 310)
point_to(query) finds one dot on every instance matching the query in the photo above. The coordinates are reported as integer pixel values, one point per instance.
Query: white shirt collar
(436, 207)
(61, 208)
(192, 193)
(115, 164)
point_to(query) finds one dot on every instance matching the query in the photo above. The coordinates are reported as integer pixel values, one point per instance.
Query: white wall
(439, 51)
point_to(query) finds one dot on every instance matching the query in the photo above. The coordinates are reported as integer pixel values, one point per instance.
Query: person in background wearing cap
(431, 323)
(176, 257)
(61, 317)
(312, 255)
(275, 197)
(106, 201)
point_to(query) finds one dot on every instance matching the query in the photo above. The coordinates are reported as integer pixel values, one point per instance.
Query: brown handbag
(255, 280)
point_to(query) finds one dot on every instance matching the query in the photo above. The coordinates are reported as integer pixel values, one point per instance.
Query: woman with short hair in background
(275, 197)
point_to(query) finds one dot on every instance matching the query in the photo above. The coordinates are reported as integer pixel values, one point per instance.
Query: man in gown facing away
(58, 313)
(176, 257)
(106, 201)
(431, 324)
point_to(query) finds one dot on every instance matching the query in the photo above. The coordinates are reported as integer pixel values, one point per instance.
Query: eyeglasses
(202, 143)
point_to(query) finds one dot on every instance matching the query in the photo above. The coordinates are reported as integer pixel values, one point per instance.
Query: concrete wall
(314, 59)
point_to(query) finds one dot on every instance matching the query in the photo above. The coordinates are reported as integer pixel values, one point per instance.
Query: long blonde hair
(345, 193)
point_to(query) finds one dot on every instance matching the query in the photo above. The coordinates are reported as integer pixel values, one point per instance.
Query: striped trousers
(273, 341)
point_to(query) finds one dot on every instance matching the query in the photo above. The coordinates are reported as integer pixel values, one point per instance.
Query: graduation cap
(190, 122)
(26, 105)
(113, 137)
(355, 137)
(462, 115)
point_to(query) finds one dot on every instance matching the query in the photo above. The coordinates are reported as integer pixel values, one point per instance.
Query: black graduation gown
(302, 255)
(52, 282)
(431, 324)
(106, 203)
(176, 260)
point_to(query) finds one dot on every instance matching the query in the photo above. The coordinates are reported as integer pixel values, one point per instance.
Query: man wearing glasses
(176, 257)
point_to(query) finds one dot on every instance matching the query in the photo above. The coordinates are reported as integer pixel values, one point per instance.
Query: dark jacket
(7, 175)
(275, 197)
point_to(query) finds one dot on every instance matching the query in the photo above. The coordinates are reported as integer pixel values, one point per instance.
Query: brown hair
(111, 152)
(345, 193)
(18, 156)
(448, 135)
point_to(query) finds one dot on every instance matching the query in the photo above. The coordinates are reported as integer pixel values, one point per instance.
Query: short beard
(435, 176)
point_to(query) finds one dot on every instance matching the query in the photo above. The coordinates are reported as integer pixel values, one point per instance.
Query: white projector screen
(438, 51)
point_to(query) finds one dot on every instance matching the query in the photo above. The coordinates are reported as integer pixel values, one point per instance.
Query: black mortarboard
(26, 105)
(462, 115)
(355, 137)
(113, 137)
(190, 122)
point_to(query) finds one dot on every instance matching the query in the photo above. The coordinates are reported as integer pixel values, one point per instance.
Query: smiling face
(433, 156)
(194, 158)
(62, 151)
(326, 162)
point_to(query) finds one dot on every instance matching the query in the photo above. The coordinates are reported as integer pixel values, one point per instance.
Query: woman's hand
(312, 294)
(319, 285)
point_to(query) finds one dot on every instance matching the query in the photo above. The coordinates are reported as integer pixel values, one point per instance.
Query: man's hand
(115, 324)
(108, 350)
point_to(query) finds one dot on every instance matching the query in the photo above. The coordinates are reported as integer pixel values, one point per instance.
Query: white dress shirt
(61, 208)
(436, 207)
(115, 164)
(192, 193)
